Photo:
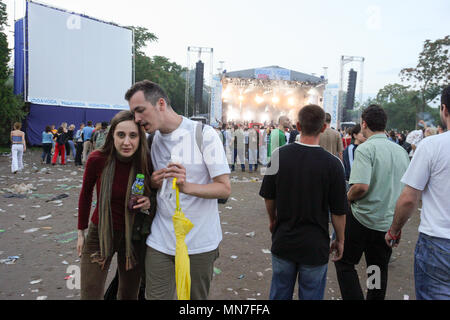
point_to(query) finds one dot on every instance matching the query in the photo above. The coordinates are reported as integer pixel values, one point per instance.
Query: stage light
(275, 99)
(241, 97)
(291, 101)
(259, 99)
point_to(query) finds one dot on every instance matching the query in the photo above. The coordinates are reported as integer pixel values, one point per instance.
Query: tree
(432, 72)
(11, 106)
(401, 105)
(159, 69)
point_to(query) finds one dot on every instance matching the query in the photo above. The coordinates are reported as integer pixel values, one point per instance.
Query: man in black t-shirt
(309, 183)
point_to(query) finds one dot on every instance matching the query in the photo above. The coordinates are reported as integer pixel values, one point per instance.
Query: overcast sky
(299, 35)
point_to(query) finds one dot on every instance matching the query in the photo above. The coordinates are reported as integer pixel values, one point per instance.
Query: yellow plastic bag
(182, 226)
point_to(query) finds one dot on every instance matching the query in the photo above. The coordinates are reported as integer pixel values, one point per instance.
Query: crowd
(60, 143)
(366, 181)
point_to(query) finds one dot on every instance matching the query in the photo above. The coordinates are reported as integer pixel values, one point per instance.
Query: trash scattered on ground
(36, 206)
(242, 276)
(2, 230)
(9, 260)
(41, 298)
(64, 262)
(47, 228)
(22, 216)
(36, 281)
(233, 257)
(231, 233)
(229, 208)
(233, 199)
(58, 197)
(45, 217)
(405, 297)
(250, 234)
(66, 237)
(265, 250)
(217, 270)
(22, 189)
(14, 195)
(1, 210)
(31, 230)
(260, 274)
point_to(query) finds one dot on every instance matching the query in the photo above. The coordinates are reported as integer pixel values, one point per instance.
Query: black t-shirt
(310, 182)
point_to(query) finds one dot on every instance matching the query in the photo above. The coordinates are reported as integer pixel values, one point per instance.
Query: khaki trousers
(87, 148)
(160, 274)
(93, 278)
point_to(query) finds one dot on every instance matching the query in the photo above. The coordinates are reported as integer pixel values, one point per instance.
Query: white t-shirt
(429, 171)
(181, 146)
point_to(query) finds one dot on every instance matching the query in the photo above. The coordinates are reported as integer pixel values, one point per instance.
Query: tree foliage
(11, 106)
(401, 105)
(432, 71)
(159, 69)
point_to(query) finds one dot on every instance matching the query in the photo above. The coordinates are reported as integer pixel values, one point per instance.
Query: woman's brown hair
(140, 158)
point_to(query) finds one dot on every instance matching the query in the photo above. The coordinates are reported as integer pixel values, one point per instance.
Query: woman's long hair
(140, 158)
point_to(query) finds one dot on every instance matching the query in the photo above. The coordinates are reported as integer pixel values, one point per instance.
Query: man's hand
(392, 238)
(157, 178)
(337, 249)
(176, 170)
(272, 225)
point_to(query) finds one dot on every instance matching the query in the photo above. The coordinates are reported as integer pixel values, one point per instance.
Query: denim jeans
(311, 280)
(432, 268)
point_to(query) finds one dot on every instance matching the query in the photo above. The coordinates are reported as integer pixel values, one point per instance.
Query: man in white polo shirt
(202, 174)
(428, 176)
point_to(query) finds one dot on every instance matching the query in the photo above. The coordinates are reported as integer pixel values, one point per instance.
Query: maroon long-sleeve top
(92, 176)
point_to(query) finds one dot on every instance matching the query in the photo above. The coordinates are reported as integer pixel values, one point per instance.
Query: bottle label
(138, 187)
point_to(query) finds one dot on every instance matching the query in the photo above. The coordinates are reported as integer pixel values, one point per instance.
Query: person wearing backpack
(99, 136)
(202, 178)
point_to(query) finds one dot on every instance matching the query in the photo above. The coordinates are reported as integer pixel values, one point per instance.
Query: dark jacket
(346, 157)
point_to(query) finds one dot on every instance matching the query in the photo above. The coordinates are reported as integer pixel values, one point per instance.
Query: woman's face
(126, 138)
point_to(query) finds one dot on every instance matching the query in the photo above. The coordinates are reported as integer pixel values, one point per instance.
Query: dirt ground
(43, 236)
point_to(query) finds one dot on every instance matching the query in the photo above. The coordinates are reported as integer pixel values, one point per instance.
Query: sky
(304, 36)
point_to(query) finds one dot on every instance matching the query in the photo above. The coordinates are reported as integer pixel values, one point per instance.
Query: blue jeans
(311, 280)
(432, 268)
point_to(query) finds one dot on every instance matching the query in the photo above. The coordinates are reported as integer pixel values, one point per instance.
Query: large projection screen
(77, 61)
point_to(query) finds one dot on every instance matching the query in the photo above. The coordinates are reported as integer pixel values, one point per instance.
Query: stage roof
(274, 73)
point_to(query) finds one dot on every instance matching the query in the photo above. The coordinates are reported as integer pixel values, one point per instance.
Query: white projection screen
(76, 61)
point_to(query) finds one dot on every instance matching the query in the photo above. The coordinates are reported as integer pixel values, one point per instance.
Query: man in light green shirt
(277, 136)
(375, 178)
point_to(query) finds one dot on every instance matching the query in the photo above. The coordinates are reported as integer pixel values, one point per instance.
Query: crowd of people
(366, 181)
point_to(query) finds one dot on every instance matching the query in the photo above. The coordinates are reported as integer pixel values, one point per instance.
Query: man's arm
(337, 245)
(272, 212)
(357, 191)
(219, 189)
(406, 205)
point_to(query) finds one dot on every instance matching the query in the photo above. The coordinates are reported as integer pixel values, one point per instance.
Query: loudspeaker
(198, 91)
(350, 101)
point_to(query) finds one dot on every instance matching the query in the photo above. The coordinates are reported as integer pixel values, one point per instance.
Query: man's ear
(298, 126)
(162, 105)
(323, 127)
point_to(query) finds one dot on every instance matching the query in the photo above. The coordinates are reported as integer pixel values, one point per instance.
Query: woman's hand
(143, 203)
(80, 242)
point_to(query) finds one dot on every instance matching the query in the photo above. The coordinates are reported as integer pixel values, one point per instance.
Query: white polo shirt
(200, 169)
(429, 172)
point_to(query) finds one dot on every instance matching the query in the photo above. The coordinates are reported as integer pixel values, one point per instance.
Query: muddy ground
(43, 236)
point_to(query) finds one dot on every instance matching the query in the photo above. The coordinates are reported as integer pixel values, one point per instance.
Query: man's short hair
(375, 117)
(311, 119)
(152, 92)
(89, 123)
(445, 98)
(327, 117)
(355, 130)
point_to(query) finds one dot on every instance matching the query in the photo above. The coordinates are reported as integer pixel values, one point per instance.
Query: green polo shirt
(379, 163)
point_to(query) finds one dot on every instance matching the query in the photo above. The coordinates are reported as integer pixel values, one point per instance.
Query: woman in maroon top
(112, 169)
